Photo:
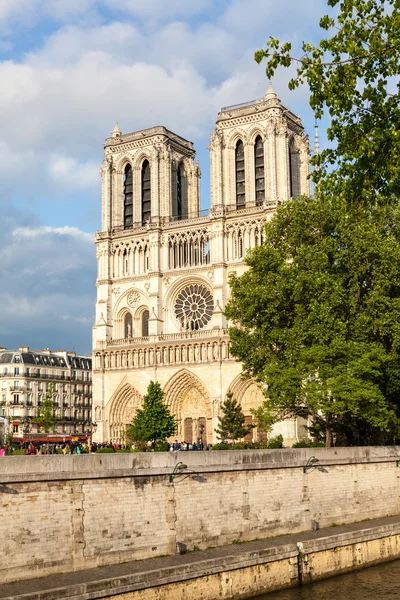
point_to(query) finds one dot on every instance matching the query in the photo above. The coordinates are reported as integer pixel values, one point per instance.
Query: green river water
(376, 583)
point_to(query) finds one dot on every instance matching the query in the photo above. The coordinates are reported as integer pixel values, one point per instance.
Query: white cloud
(70, 173)
(47, 289)
(34, 232)
(163, 62)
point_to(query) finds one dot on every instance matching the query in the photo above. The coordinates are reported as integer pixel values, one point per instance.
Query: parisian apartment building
(26, 376)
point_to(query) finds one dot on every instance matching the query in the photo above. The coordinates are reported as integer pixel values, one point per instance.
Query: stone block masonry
(68, 513)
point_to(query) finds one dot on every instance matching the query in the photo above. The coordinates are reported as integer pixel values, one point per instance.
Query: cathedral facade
(163, 265)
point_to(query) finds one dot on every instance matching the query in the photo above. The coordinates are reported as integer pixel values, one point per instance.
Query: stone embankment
(231, 573)
(65, 514)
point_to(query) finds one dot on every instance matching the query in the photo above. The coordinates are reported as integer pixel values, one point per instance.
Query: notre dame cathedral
(163, 265)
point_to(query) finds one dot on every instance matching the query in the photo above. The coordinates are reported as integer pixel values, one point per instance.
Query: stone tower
(163, 265)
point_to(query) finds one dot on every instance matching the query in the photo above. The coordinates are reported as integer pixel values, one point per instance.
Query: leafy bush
(125, 450)
(161, 447)
(306, 443)
(18, 452)
(275, 442)
(272, 444)
(104, 450)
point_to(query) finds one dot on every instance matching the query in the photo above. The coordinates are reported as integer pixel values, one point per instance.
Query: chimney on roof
(71, 353)
(24, 348)
(2, 348)
(46, 351)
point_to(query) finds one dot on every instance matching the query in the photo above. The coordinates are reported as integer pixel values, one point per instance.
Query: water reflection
(382, 581)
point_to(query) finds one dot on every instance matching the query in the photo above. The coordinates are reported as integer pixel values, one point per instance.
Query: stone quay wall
(66, 513)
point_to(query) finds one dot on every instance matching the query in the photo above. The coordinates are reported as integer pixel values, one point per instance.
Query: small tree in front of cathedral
(154, 422)
(232, 422)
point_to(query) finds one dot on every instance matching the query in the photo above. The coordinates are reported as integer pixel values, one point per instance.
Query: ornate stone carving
(133, 299)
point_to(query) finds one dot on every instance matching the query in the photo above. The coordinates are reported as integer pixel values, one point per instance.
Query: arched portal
(250, 395)
(190, 403)
(123, 406)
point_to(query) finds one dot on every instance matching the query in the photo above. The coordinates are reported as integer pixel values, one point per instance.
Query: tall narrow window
(259, 170)
(128, 325)
(240, 176)
(294, 170)
(128, 197)
(179, 193)
(181, 207)
(145, 323)
(146, 192)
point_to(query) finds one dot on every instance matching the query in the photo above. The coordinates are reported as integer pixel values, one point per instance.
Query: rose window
(194, 307)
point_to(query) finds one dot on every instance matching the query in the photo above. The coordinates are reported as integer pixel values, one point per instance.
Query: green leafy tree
(353, 74)
(317, 315)
(231, 425)
(154, 422)
(47, 418)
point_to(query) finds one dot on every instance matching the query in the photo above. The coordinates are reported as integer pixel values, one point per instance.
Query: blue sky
(68, 70)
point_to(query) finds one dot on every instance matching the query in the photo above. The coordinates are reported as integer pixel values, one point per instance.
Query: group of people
(72, 447)
(176, 446)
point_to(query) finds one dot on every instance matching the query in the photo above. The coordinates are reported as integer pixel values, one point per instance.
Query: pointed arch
(146, 191)
(259, 171)
(294, 168)
(250, 395)
(128, 196)
(240, 175)
(190, 403)
(122, 409)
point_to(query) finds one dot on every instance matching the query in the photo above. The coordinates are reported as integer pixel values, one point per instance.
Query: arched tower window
(259, 170)
(128, 325)
(181, 194)
(145, 323)
(146, 192)
(128, 197)
(240, 175)
(294, 170)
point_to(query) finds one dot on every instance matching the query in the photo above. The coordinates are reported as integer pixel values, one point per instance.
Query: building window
(259, 170)
(15, 428)
(194, 307)
(16, 399)
(240, 176)
(181, 194)
(145, 323)
(128, 325)
(294, 170)
(128, 197)
(146, 192)
(16, 370)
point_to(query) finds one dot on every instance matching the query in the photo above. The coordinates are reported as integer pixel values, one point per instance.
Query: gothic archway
(123, 406)
(190, 403)
(250, 395)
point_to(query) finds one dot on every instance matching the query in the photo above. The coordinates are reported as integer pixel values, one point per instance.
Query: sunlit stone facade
(163, 265)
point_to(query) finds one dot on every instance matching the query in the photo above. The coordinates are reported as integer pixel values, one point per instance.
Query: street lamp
(312, 464)
(177, 469)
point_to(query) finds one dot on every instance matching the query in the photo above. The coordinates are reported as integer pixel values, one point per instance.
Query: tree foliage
(47, 418)
(353, 73)
(154, 422)
(231, 425)
(317, 315)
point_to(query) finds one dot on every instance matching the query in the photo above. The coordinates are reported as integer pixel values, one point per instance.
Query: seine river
(376, 583)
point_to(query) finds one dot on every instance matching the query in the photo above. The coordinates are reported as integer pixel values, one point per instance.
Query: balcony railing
(182, 336)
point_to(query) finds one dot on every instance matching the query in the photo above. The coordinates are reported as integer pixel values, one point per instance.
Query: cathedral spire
(271, 95)
(116, 132)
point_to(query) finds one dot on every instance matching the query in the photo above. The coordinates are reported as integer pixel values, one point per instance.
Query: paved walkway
(60, 586)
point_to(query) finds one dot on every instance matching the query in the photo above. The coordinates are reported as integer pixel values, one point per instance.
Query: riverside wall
(67, 513)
